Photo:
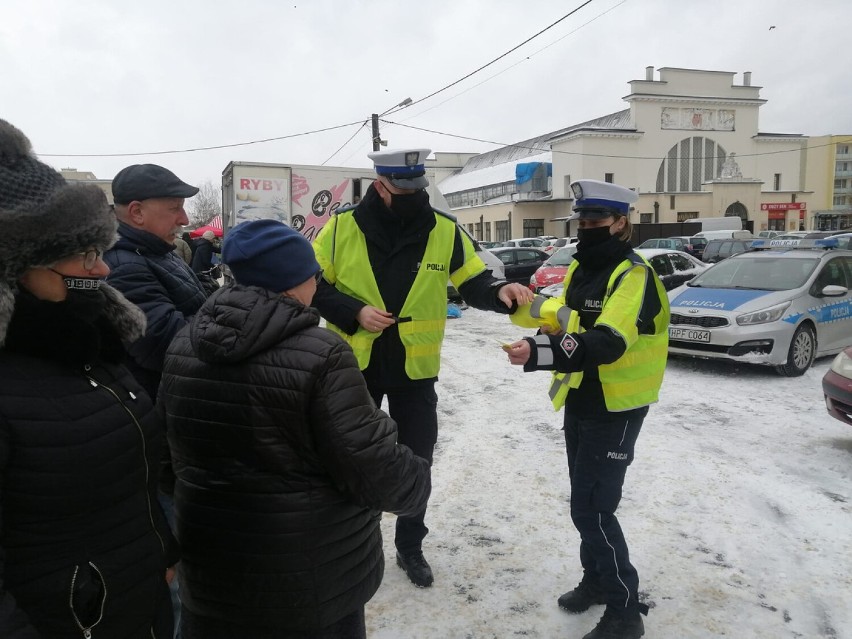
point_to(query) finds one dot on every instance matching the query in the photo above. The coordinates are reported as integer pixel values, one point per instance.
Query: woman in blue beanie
(282, 459)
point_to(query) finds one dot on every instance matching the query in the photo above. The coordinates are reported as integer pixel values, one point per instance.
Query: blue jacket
(153, 277)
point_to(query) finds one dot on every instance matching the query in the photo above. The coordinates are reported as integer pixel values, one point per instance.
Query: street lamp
(377, 141)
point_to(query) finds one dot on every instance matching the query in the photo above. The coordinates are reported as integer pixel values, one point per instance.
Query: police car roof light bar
(821, 243)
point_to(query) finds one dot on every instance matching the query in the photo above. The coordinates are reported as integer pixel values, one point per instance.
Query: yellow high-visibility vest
(634, 379)
(341, 250)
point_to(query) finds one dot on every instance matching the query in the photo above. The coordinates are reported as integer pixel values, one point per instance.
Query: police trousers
(599, 451)
(414, 408)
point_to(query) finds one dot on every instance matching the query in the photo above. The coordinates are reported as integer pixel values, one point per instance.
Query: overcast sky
(109, 76)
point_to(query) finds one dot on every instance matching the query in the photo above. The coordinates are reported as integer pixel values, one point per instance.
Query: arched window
(689, 163)
(737, 209)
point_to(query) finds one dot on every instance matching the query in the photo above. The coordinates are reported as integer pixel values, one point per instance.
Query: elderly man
(386, 264)
(149, 205)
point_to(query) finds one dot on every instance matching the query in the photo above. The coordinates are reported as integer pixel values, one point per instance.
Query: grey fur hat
(43, 219)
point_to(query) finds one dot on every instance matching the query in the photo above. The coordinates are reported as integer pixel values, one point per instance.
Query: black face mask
(84, 298)
(409, 204)
(594, 236)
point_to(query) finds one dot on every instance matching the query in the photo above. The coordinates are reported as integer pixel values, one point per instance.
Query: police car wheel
(801, 354)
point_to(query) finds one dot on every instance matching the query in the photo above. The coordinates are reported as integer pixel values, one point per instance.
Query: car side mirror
(833, 290)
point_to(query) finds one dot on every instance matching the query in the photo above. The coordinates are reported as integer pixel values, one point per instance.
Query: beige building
(73, 175)
(689, 143)
(829, 170)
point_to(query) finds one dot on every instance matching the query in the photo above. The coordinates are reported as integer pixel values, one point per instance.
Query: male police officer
(386, 263)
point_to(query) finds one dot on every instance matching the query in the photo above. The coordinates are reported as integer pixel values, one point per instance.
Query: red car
(553, 270)
(837, 387)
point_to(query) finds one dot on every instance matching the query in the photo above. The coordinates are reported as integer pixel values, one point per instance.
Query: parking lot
(738, 508)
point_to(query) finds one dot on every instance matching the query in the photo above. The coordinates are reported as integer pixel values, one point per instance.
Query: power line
(499, 57)
(200, 148)
(352, 137)
(403, 105)
(603, 155)
(511, 66)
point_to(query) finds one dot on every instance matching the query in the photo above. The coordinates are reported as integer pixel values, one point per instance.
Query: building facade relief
(697, 119)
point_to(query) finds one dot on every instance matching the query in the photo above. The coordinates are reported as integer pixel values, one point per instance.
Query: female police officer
(606, 341)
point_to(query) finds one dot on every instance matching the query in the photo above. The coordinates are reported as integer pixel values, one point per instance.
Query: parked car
(718, 250)
(769, 234)
(673, 267)
(564, 241)
(693, 245)
(519, 263)
(491, 262)
(779, 306)
(725, 234)
(837, 387)
(490, 245)
(844, 240)
(553, 270)
(791, 235)
(816, 235)
(673, 243)
(536, 242)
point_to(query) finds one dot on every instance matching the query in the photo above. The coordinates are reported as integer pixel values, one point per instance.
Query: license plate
(689, 334)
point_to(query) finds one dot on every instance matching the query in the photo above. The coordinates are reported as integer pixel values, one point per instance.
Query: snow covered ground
(737, 509)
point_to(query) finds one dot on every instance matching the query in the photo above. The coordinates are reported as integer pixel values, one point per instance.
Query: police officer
(386, 263)
(606, 341)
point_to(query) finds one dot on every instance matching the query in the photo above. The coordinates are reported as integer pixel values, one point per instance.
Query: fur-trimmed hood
(44, 219)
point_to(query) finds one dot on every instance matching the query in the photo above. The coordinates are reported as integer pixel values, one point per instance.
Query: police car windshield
(760, 272)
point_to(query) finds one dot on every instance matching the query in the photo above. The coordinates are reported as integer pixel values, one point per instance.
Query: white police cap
(404, 168)
(594, 199)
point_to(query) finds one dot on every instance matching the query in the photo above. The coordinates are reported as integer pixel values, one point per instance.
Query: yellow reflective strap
(568, 319)
(536, 306)
(423, 350)
(560, 385)
(322, 250)
(361, 339)
(471, 268)
(522, 317)
(420, 326)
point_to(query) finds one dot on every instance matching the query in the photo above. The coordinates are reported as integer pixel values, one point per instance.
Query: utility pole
(376, 139)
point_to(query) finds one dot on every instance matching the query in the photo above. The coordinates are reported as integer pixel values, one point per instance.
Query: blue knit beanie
(269, 254)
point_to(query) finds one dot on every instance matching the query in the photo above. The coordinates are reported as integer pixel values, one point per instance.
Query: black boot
(620, 623)
(587, 594)
(416, 568)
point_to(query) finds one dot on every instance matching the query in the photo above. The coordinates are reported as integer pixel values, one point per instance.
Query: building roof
(493, 174)
(498, 166)
(618, 121)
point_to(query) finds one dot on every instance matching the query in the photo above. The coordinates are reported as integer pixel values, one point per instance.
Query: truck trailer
(304, 197)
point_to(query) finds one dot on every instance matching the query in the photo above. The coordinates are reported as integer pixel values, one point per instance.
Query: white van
(725, 235)
(727, 223)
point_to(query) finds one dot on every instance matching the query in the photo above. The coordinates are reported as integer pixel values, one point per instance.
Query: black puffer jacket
(152, 276)
(79, 446)
(283, 464)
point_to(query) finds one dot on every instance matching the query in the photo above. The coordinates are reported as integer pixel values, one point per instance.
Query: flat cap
(139, 182)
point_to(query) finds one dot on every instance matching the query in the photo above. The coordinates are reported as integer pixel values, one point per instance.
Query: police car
(782, 303)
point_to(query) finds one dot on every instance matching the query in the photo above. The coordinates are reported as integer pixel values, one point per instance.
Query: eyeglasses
(318, 276)
(91, 257)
